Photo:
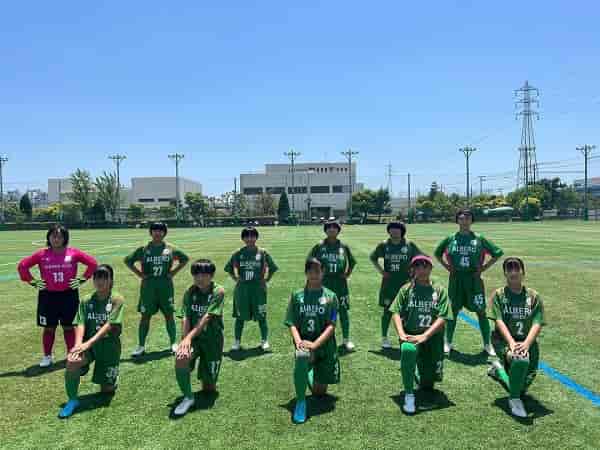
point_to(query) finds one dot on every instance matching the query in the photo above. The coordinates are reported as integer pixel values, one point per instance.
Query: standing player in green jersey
(419, 313)
(251, 268)
(97, 339)
(156, 291)
(518, 313)
(338, 263)
(463, 254)
(202, 312)
(311, 317)
(396, 253)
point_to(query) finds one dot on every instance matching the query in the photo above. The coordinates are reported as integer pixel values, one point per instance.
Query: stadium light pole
(177, 157)
(292, 155)
(117, 158)
(349, 154)
(467, 151)
(586, 150)
(3, 160)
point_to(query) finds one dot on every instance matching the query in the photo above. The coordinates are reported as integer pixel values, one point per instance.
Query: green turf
(256, 393)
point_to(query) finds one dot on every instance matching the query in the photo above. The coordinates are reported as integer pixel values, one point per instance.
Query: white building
(319, 189)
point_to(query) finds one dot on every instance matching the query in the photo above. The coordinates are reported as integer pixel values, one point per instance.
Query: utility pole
(177, 157)
(349, 154)
(586, 150)
(309, 198)
(118, 159)
(292, 155)
(389, 177)
(3, 159)
(481, 180)
(409, 215)
(467, 151)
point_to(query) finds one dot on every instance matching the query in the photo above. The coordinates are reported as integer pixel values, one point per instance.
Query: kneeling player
(518, 312)
(419, 314)
(311, 317)
(202, 334)
(97, 338)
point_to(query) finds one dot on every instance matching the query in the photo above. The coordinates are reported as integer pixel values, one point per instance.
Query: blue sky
(234, 86)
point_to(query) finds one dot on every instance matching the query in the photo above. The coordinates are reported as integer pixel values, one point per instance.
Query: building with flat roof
(593, 186)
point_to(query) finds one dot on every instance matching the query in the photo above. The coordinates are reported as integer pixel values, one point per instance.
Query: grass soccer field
(256, 390)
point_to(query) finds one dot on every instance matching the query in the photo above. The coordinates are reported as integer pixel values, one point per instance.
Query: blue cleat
(68, 409)
(300, 412)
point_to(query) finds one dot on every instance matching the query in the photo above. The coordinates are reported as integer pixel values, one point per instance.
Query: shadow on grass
(426, 400)
(89, 402)
(478, 359)
(316, 405)
(245, 353)
(35, 370)
(147, 357)
(389, 353)
(203, 400)
(534, 408)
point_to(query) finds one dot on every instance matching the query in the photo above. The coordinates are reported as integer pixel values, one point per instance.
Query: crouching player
(311, 317)
(97, 338)
(202, 334)
(419, 314)
(518, 313)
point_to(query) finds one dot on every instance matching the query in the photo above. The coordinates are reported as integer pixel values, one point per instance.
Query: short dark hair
(203, 266)
(312, 262)
(249, 231)
(398, 225)
(57, 228)
(511, 261)
(332, 224)
(104, 271)
(466, 212)
(158, 226)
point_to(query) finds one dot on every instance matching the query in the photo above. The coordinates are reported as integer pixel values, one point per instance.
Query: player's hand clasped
(305, 346)
(184, 350)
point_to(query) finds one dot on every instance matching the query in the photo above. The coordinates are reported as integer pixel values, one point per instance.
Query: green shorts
(106, 363)
(389, 290)
(340, 288)
(326, 363)
(502, 349)
(466, 290)
(209, 354)
(430, 360)
(250, 301)
(155, 294)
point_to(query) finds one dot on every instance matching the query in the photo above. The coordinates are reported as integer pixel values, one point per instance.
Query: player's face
(250, 240)
(396, 234)
(514, 274)
(314, 275)
(157, 235)
(203, 280)
(102, 284)
(332, 232)
(57, 240)
(422, 271)
(465, 221)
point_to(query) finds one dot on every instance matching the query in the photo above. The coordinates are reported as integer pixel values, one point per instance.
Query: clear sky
(234, 86)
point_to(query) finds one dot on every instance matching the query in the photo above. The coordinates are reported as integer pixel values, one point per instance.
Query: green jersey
(197, 303)
(251, 263)
(420, 306)
(396, 258)
(335, 258)
(466, 252)
(518, 311)
(94, 312)
(311, 311)
(156, 260)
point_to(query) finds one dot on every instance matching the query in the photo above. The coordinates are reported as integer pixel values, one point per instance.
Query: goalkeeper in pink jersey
(58, 297)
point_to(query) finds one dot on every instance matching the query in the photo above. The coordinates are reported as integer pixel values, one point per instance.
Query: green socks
(408, 363)
(301, 376)
(264, 329)
(484, 327)
(143, 332)
(518, 375)
(386, 318)
(345, 321)
(238, 327)
(450, 328)
(311, 378)
(171, 330)
(184, 381)
(72, 383)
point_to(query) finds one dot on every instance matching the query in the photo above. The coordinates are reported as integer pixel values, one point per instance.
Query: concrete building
(319, 189)
(593, 186)
(399, 205)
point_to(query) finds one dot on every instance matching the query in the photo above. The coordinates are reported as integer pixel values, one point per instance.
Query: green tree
(97, 212)
(197, 206)
(381, 203)
(265, 204)
(82, 191)
(107, 193)
(363, 202)
(433, 190)
(25, 206)
(283, 209)
(135, 212)
(167, 212)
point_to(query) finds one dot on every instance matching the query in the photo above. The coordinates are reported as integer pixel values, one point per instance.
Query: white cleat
(489, 349)
(517, 408)
(174, 348)
(265, 345)
(139, 351)
(184, 406)
(349, 345)
(236, 346)
(447, 348)
(409, 404)
(46, 361)
(385, 343)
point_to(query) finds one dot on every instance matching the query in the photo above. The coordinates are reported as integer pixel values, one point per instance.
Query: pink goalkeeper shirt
(57, 268)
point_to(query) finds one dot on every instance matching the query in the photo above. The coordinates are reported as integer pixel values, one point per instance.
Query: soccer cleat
(409, 404)
(139, 351)
(46, 361)
(349, 345)
(174, 348)
(236, 346)
(265, 345)
(517, 408)
(300, 412)
(184, 406)
(68, 409)
(489, 349)
(447, 348)
(385, 343)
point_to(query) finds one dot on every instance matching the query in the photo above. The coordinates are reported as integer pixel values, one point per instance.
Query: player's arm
(24, 267)
(493, 251)
(271, 266)
(88, 261)
(441, 255)
(233, 268)
(523, 347)
(130, 261)
(182, 260)
(325, 335)
(351, 262)
(424, 337)
(505, 333)
(296, 337)
(374, 258)
(399, 326)
(85, 346)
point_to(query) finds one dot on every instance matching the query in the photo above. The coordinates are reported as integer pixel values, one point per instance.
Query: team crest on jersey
(434, 299)
(258, 256)
(322, 301)
(404, 249)
(301, 299)
(68, 258)
(341, 251)
(528, 301)
(166, 251)
(90, 306)
(194, 298)
(474, 242)
(109, 307)
(209, 298)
